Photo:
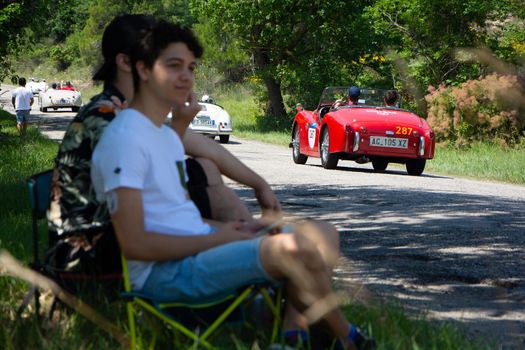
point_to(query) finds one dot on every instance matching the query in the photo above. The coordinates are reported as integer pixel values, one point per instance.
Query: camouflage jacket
(74, 211)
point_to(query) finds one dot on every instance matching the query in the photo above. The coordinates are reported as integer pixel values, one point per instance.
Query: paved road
(450, 248)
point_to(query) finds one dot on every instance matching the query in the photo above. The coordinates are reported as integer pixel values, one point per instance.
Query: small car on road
(36, 86)
(55, 99)
(367, 131)
(212, 120)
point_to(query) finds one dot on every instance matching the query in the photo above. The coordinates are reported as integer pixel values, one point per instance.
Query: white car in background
(55, 99)
(212, 120)
(37, 86)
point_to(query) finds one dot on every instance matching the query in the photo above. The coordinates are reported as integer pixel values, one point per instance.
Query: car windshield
(368, 97)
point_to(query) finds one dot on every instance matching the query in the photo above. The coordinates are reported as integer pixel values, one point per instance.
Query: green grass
(481, 161)
(240, 103)
(19, 158)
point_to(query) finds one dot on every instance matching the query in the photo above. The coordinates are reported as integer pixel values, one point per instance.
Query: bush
(491, 108)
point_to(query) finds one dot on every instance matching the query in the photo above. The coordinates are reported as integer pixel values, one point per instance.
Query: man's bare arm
(128, 219)
(197, 145)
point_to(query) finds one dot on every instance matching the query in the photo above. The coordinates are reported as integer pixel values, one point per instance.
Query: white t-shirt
(23, 98)
(135, 153)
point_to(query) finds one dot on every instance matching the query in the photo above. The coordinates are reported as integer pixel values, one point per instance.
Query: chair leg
(276, 309)
(33, 293)
(132, 329)
(226, 313)
(53, 307)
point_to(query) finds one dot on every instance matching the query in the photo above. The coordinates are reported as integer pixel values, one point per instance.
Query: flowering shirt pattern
(75, 212)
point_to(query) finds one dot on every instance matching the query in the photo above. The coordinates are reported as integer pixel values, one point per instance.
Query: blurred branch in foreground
(11, 266)
(495, 64)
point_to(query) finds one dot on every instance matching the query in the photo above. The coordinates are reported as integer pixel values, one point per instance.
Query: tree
(14, 17)
(426, 32)
(282, 36)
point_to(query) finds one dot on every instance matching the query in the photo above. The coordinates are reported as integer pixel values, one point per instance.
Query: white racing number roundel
(311, 135)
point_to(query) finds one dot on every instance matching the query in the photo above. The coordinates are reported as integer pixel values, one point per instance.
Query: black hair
(120, 36)
(391, 97)
(156, 39)
(22, 81)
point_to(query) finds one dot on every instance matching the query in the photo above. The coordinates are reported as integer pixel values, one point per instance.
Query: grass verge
(481, 161)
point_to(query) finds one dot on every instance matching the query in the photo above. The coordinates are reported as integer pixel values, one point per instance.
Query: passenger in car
(391, 98)
(68, 86)
(338, 103)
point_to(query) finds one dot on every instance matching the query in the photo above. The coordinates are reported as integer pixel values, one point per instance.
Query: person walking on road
(22, 100)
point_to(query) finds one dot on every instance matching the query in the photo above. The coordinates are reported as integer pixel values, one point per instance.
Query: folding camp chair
(198, 330)
(39, 186)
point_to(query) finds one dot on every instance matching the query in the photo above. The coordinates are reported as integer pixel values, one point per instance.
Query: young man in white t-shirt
(172, 252)
(22, 100)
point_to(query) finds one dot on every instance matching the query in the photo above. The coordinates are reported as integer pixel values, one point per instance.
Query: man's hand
(268, 201)
(182, 115)
(263, 226)
(233, 231)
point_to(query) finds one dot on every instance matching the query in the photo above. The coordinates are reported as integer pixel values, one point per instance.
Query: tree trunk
(275, 106)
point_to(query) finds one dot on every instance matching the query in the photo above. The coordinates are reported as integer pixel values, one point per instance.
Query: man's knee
(279, 253)
(324, 236)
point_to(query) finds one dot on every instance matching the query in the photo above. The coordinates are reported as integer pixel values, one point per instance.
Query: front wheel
(224, 138)
(415, 166)
(379, 165)
(328, 160)
(298, 158)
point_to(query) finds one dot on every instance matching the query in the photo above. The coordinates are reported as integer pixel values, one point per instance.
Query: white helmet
(207, 99)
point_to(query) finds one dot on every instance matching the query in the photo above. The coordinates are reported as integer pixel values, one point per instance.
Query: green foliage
(486, 109)
(425, 33)
(288, 43)
(11, 23)
(222, 53)
(174, 10)
(505, 35)
(68, 17)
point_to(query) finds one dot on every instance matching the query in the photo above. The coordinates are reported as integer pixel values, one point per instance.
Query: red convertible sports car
(364, 131)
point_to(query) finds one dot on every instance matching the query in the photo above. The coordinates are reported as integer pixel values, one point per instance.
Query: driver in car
(353, 95)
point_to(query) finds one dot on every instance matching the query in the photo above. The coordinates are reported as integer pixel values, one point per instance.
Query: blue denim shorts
(22, 116)
(209, 275)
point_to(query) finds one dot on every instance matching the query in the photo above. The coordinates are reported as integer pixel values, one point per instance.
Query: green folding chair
(182, 319)
(39, 188)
